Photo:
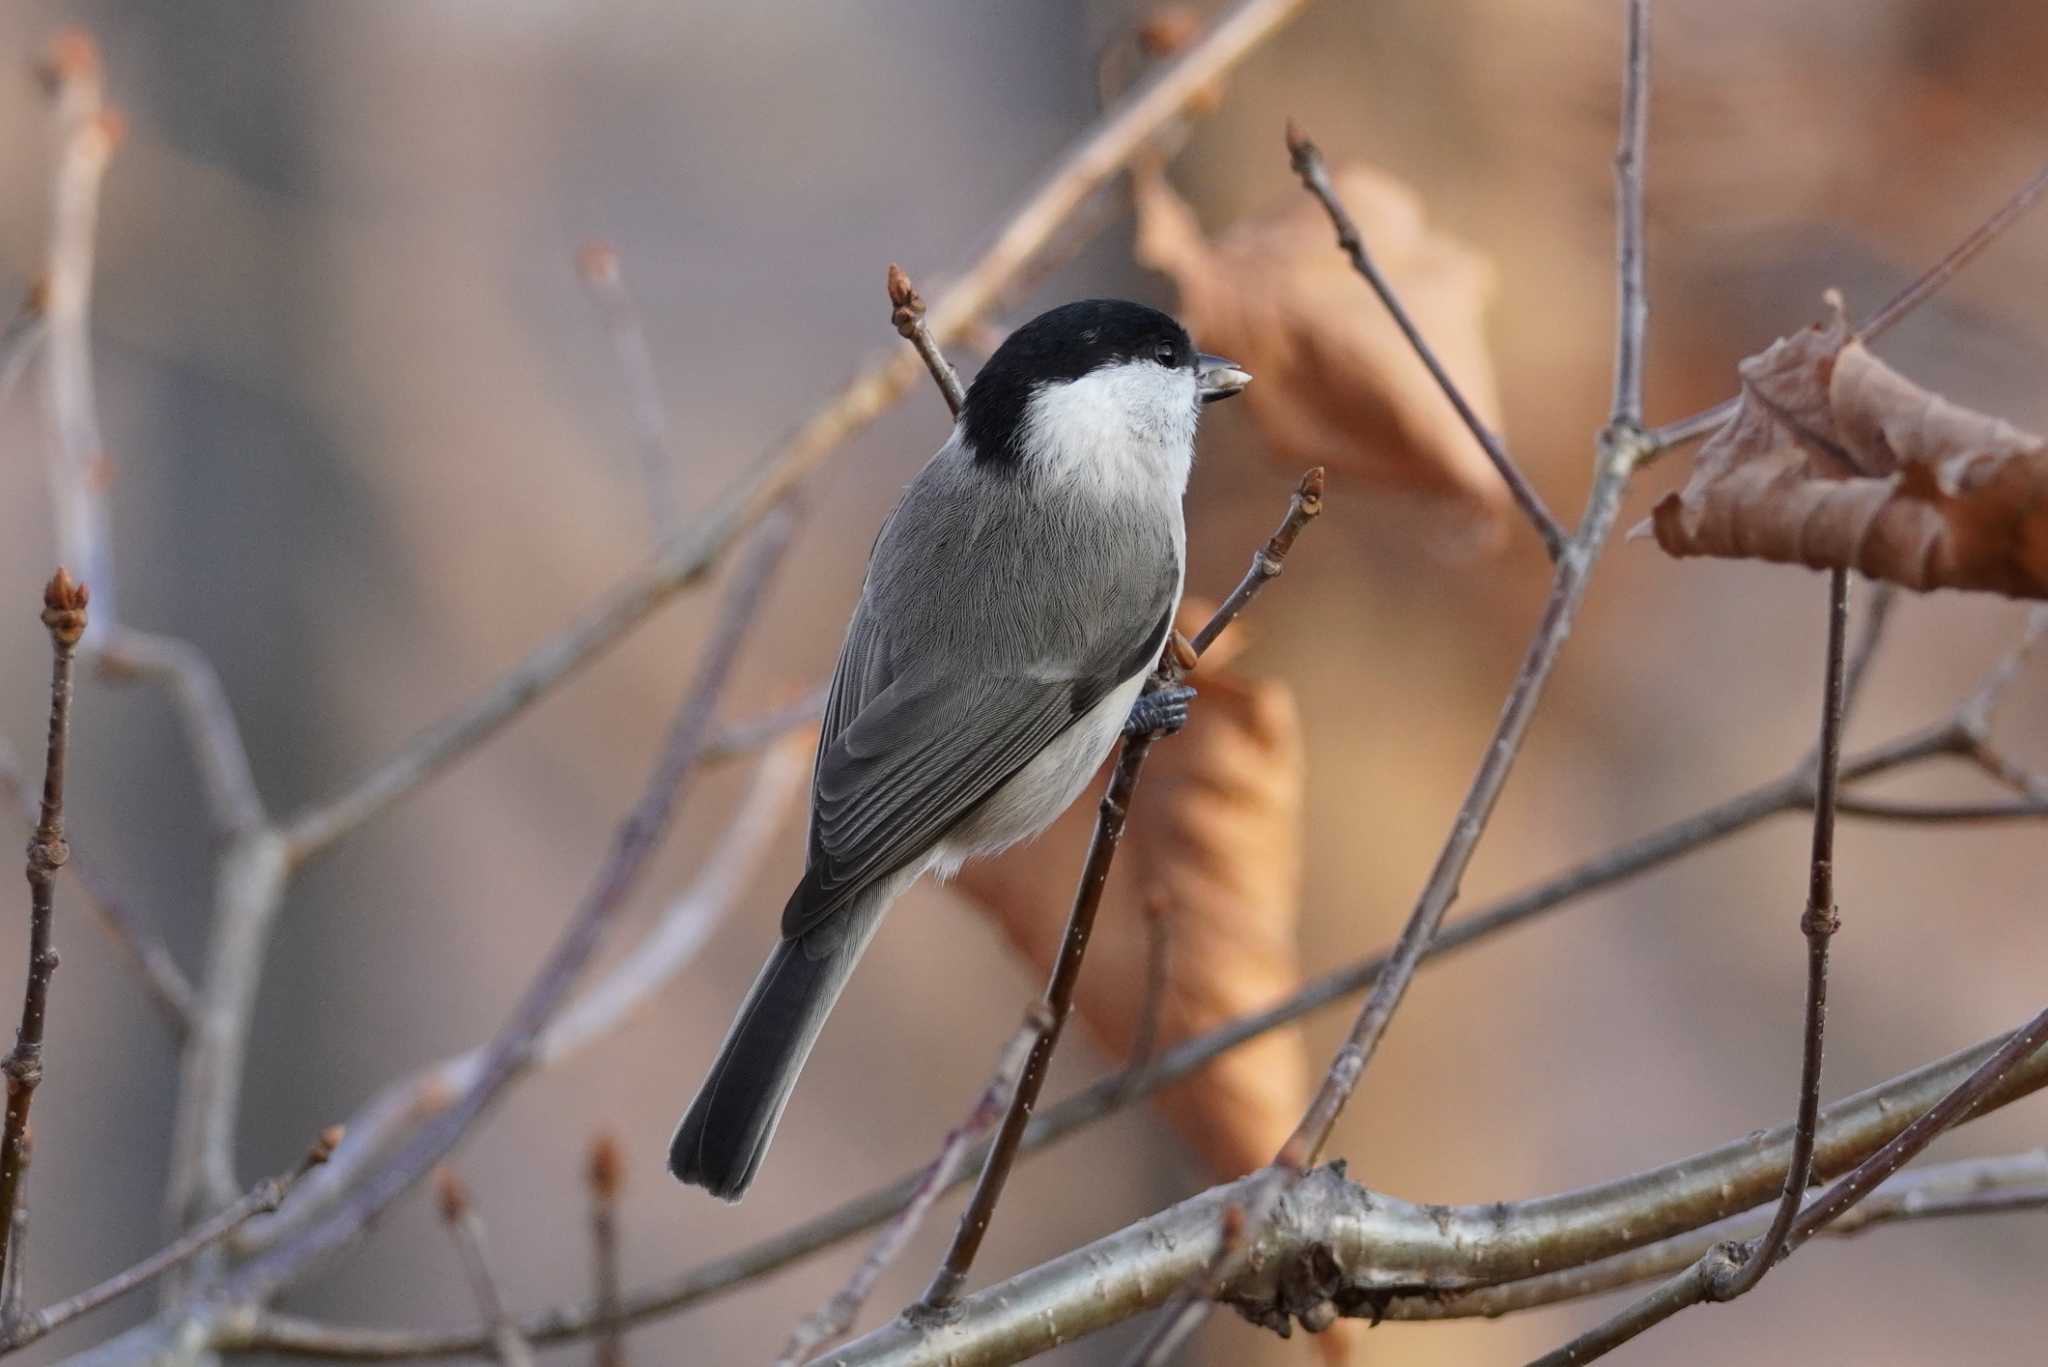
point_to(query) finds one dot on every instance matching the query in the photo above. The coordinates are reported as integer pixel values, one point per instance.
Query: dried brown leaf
(1337, 384)
(1836, 461)
(1214, 839)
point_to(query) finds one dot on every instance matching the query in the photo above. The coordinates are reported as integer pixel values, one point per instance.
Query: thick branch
(1362, 1253)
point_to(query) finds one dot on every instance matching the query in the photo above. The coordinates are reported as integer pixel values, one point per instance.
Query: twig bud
(606, 1169)
(908, 304)
(1300, 150)
(598, 263)
(324, 1146)
(73, 56)
(1167, 30)
(450, 1195)
(64, 600)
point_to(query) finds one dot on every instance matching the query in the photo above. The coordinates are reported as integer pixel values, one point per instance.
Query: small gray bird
(1015, 603)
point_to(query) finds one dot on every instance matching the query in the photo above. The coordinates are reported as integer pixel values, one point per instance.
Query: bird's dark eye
(1167, 354)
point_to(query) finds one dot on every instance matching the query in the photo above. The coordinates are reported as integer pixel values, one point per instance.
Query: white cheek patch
(1122, 429)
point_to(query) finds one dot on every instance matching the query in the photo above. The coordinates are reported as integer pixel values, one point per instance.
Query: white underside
(1046, 786)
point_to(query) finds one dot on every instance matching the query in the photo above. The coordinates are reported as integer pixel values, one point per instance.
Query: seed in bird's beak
(1216, 378)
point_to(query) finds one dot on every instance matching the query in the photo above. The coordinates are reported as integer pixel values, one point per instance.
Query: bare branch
(1930, 282)
(908, 319)
(751, 733)
(266, 1195)
(1632, 307)
(606, 1174)
(194, 687)
(1267, 562)
(22, 337)
(1721, 1263)
(1315, 178)
(167, 984)
(1941, 272)
(836, 1316)
(86, 133)
(627, 989)
(598, 266)
(1098, 155)
(1976, 1186)
(466, 1227)
(64, 617)
(1818, 924)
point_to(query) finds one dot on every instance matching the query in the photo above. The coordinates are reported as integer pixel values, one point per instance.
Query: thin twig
(748, 734)
(1303, 507)
(14, 1285)
(23, 337)
(1620, 447)
(86, 133)
(1267, 562)
(1959, 1104)
(466, 1227)
(1632, 307)
(631, 984)
(908, 319)
(1719, 1265)
(266, 1195)
(605, 1173)
(64, 617)
(1818, 923)
(1315, 177)
(1941, 813)
(1093, 159)
(598, 266)
(830, 1321)
(1929, 283)
(1567, 590)
(195, 690)
(168, 986)
(1964, 252)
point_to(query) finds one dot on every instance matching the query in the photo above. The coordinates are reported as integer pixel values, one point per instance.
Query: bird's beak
(1216, 378)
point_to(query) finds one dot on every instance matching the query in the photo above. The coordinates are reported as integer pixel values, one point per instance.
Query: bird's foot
(1160, 712)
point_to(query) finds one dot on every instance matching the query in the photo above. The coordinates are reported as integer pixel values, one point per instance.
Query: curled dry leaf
(1337, 383)
(1836, 461)
(1214, 841)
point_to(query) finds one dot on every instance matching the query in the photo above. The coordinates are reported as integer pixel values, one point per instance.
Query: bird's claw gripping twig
(1160, 712)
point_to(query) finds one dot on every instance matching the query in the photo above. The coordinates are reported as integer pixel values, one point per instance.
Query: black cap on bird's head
(1064, 344)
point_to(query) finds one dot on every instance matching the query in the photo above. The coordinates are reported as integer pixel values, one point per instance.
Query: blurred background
(370, 445)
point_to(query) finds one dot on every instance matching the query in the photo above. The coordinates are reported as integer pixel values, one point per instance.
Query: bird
(1015, 603)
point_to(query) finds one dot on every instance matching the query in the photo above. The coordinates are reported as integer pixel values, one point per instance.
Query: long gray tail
(724, 1135)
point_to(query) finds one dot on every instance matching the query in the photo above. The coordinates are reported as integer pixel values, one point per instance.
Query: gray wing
(903, 758)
